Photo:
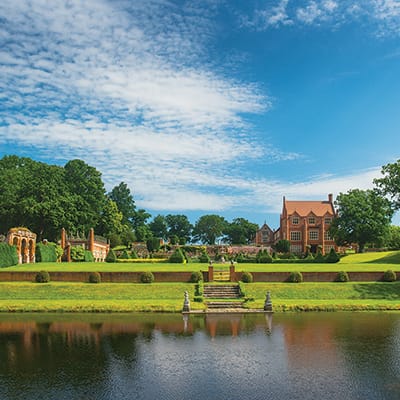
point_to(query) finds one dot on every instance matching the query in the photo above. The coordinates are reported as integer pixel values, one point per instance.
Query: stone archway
(25, 242)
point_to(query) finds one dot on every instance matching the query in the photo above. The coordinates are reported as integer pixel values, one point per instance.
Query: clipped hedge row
(46, 252)
(8, 255)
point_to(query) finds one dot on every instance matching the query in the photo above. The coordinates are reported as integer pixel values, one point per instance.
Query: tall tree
(179, 225)
(389, 185)
(87, 193)
(240, 231)
(159, 227)
(209, 228)
(122, 196)
(362, 217)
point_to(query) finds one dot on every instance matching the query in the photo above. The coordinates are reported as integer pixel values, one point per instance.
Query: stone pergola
(25, 242)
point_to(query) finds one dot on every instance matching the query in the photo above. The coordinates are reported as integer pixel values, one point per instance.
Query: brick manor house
(305, 224)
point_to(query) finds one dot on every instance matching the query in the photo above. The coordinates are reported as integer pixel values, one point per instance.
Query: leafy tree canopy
(179, 225)
(240, 231)
(389, 185)
(159, 227)
(209, 228)
(362, 217)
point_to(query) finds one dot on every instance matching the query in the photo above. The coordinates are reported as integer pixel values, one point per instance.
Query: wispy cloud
(129, 88)
(379, 17)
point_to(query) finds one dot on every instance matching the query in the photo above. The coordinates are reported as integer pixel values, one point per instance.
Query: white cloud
(379, 17)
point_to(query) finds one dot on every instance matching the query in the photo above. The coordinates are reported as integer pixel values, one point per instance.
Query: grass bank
(168, 297)
(379, 261)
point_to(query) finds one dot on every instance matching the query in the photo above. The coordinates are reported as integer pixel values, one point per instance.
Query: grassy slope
(356, 262)
(23, 296)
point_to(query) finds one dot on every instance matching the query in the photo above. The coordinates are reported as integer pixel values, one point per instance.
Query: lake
(208, 357)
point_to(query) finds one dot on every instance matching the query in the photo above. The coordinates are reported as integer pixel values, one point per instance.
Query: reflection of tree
(369, 354)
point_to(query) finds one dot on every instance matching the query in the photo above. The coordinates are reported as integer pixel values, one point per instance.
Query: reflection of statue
(186, 303)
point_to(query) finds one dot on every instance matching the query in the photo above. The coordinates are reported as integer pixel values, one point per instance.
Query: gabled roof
(304, 208)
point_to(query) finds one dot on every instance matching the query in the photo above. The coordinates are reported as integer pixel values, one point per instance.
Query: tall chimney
(330, 198)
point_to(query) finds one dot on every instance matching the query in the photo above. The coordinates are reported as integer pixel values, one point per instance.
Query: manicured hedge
(8, 255)
(46, 252)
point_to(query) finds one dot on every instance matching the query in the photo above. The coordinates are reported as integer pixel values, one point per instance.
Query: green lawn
(168, 297)
(379, 261)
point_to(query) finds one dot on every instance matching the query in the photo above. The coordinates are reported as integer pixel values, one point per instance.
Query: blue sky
(206, 107)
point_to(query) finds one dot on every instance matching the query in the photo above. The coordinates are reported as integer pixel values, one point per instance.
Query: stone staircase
(222, 297)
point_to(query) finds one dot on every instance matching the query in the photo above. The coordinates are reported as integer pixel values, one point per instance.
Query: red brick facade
(306, 223)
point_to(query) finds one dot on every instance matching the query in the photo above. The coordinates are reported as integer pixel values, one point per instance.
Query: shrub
(196, 277)
(240, 258)
(199, 289)
(42, 277)
(342, 276)
(295, 277)
(332, 257)
(282, 246)
(8, 255)
(111, 257)
(177, 257)
(247, 277)
(389, 276)
(77, 253)
(198, 299)
(46, 252)
(319, 258)
(134, 255)
(263, 257)
(124, 255)
(204, 258)
(242, 289)
(88, 257)
(146, 277)
(94, 277)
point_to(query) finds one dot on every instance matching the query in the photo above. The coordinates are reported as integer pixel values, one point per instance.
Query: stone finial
(186, 302)
(268, 303)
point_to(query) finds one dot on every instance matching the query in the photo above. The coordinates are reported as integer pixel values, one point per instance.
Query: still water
(153, 356)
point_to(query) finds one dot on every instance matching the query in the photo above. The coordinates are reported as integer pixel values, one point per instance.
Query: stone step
(224, 304)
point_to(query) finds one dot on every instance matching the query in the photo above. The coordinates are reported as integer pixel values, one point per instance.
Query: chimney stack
(330, 198)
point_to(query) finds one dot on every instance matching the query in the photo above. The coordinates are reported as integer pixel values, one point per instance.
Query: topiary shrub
(46, 252)
(199, 289)
(8, 255)
(146, 277)
(88, 256)
(319, 258)
(124, 255)
(196, 277)
(134, 255)
(389, 276)
(198, 299)
(204, 258)
(263, 257)
(111, 257)
(42, 277)
(240, 258)
(342, 276)
(94, 277)
(295, 277)
(332, 257)
(247, 277)
(177, 257)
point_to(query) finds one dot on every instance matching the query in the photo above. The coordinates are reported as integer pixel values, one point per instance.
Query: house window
(327, 236)
(311, 220)
(295, 220)
(313, 235)
(328, 220)
(295, 235)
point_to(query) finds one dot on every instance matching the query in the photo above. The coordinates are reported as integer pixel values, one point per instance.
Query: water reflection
(218, 356)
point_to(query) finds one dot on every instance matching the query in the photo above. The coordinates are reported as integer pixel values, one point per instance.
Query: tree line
(46, 198)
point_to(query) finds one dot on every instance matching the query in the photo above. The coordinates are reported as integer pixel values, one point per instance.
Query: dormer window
(311, 220)
(295, 220)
